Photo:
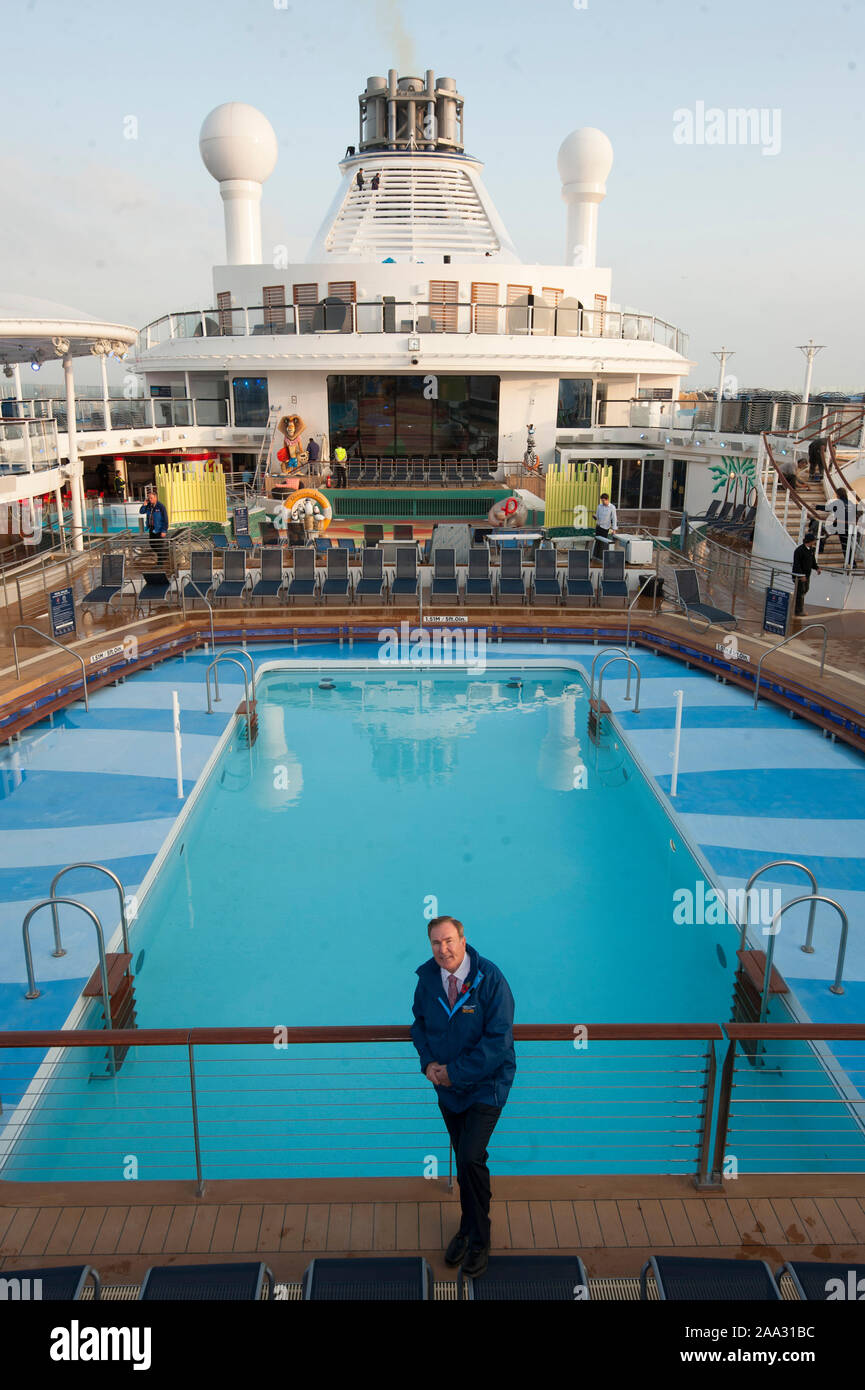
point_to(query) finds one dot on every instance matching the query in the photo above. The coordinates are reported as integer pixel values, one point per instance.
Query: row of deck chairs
(418, 472)
(727, 519)
(526, 1278)
(303, 583)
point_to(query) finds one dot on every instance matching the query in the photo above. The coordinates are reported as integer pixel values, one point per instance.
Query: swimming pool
(297, 891)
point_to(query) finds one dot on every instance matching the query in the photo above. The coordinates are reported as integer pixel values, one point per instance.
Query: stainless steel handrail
(611, 662)
(648, 579)
(836, 987)
(215, 663)
(778, 864)
(32, 991)
(204, 599)
(779, 645)
(605, 651)
(237, 651)
(26, 627)
(100, 868)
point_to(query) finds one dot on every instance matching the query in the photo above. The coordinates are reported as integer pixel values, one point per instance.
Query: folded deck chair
(613, 584)
(681, 1278)
(372, 533)
(528, 1278)
(301, 588)
(578, 582)
(110, 581)
(347, 543)
(60, 1284)
(479, 584)
(219, 541)
(404, 584)
(322, 545)
(243, 542)
(237, 1283)
(545, 584)
(234, 577)
(272, 578)
(512, 586)
(444, 577)
(688, 587)
(336, 584)
(200, 581)
(371, 582)
(403, 532)
(406, 1278)
(817, 1282)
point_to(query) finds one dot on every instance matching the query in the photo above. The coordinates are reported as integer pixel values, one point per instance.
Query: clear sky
(756, 251)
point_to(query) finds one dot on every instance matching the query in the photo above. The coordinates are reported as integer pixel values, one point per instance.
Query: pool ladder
(112, 980)
(597, 708)
(757, 981)
(248, 711)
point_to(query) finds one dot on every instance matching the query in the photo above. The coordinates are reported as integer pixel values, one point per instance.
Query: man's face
(448, 946)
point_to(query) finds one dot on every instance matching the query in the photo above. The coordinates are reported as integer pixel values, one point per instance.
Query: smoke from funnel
(390, 22)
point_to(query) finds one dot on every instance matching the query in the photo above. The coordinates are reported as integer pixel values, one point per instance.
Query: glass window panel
(575, 403)
(250, 400)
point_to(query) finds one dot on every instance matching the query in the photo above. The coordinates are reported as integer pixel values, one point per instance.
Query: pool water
(298, 890)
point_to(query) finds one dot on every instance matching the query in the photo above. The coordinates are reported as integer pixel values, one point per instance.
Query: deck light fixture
(37, 357)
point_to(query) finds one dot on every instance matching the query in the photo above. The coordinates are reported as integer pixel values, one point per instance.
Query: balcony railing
(28, 445)
(412, 316)
(119, 413)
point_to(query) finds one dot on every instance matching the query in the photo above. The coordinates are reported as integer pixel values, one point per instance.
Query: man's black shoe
(476, 1261)
(457, 1249)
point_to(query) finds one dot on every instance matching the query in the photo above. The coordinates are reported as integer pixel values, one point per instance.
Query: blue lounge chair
(155, 589)
(404, 584)
(61, 1284)
(546, 587)
(680, 1278)
(234, 580)
(272, 579)
(400, 475)
(347, 543)
(301, 588)
(512, 586)
(372, 533)
(220, 541)
(243, 542)
(689, 598)
(353, 473)
(236, 1283)
(528, 1279)
(110, 581)
(444, 576)
(613, 583)
(322, 545)
(815, 1281)
(417, 475)
(479, 584)
(336, 584)
(378, 1279)
(200, 581)
(371, 582)
(578, 582)
(435, 477)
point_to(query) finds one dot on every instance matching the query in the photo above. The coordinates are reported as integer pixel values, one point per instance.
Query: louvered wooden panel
(444, 297)
(273, 299)
(305, 301)
(485, 315)
(223, 303)
(552, 296)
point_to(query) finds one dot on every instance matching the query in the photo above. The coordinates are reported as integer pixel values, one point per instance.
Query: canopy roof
(29, 326)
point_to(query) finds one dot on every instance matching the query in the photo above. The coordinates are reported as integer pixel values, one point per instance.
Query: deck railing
(351, 1101)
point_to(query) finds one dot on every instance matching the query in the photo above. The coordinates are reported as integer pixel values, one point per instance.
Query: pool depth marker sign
(61, 606)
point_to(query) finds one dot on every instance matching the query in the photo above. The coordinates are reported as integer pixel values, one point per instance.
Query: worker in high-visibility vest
(340, 457)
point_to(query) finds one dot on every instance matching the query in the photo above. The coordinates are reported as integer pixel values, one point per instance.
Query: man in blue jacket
(463, 1031)
(157, 524)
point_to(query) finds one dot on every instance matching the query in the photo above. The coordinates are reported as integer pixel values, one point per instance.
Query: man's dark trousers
(470, 1132)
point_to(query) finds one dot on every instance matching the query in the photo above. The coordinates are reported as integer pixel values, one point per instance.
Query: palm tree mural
(733, 470)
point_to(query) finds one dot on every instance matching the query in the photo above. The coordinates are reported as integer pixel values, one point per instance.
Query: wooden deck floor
(614, 1223)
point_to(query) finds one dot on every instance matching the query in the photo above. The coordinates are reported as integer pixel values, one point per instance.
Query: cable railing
(209, 1103)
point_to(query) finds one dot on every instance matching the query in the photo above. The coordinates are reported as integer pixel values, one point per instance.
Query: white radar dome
(238, 142)
(585, 156)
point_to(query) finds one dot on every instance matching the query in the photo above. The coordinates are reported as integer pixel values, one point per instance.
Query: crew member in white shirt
(606, 522)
